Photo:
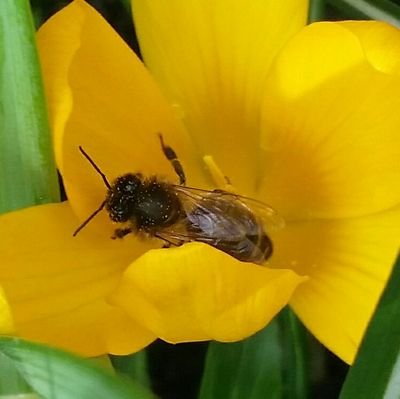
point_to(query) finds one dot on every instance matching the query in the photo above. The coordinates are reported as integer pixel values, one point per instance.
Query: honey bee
(177, 214)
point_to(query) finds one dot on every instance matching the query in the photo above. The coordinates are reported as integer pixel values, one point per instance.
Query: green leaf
(270, 364)
(53, 373)
(127, 5)
(383, 10)
(11, 381)
(316, 11)
(249, 369)
(295, 365)
(27, 170)
(376, 371)
(133, 366)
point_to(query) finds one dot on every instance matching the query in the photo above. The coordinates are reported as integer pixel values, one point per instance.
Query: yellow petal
(211, 59)
(55, 65)
(380, 42)
(56, 285)
(6, 320)
(331, 127)
(195, 293)
(103, 99)
(348, 262)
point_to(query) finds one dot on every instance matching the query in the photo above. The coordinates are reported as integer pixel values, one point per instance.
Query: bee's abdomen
(252, 248)
(232, 229)
(262, 249)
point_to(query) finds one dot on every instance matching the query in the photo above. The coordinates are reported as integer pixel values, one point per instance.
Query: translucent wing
(220, 216)
(270, 219)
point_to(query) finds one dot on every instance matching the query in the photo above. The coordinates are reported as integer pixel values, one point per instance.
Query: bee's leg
(228, 180)
(221, 192)
(172, 157)
(121, 233)
(168, 243)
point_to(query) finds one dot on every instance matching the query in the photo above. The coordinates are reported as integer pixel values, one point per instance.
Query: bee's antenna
(96, 168)
(89, 219)
(106, 182)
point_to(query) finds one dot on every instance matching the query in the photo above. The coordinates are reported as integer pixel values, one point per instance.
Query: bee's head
(122, 196)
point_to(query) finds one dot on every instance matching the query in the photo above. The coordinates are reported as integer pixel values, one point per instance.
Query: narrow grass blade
(27, 171)
(54, 373)
(382, 10)
(376, 371)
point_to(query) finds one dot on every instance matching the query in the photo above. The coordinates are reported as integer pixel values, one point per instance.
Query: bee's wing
(270, 219)
(176, 237)
(206, 208)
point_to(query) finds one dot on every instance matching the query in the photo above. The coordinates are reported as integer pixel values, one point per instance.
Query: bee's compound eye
(122, 197)
(119, 206)
(119, 214)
